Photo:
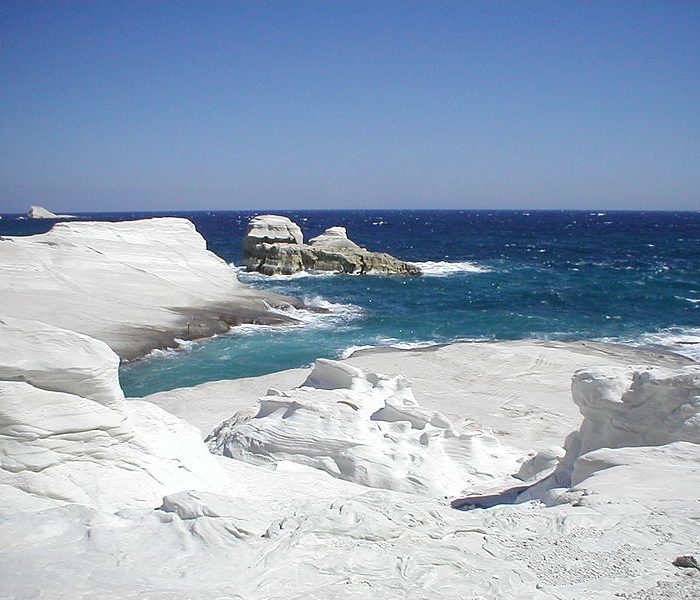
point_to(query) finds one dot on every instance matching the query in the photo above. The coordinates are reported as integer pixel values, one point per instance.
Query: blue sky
(226, 105)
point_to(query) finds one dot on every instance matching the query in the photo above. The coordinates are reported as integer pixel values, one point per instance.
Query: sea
(615, 276)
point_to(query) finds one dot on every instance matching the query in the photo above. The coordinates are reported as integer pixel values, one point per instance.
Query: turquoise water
(619, 276)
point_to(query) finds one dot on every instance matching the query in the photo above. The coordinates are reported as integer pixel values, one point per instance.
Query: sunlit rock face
(627, 413)
(136, 285)
(68, 436)
(366, 428)
(273, 245)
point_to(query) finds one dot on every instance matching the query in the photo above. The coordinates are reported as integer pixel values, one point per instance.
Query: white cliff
(136, 285)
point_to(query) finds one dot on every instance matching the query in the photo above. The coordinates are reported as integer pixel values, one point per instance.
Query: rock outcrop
(273, 245)
(136, 285)
(625, 410)
(67, 435)
(367, 428)
(39, 212)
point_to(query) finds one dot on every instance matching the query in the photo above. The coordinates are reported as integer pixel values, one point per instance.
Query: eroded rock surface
(274, 246)
(136, 285)
(68, 436)
(367, 428)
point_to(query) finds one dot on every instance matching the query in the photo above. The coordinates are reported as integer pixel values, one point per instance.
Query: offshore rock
(39, 212)
(274, 246)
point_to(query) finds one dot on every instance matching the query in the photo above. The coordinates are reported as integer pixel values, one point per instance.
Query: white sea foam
(328, 315)
(171, 351)
(681, 340)
(384, 342)
(248, 276)
(443, 267)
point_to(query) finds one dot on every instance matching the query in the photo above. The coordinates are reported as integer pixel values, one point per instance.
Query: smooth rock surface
(67, 435)
(136, 285)
(520, 390)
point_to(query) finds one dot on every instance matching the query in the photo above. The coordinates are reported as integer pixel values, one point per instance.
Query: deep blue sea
(630, 277)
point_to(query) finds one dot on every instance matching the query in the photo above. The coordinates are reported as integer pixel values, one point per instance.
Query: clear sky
(347, 104)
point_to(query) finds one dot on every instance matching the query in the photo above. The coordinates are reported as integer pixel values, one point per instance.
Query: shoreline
(584, 343)
(481, 380)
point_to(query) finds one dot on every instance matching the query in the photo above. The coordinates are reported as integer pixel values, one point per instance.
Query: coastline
(474, 380)
(136, 285)
(505, 469)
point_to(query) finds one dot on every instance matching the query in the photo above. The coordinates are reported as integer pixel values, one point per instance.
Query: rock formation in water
(136, 285)
(274, 245)
(39, 212)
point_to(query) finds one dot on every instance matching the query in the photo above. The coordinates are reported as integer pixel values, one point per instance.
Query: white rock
(136, 285)
(519, 389)
(274, 229)
(39, 212)
(367, 428)
(333, 237)
(295, 531)
(59, 360)
(67, 436)
(625, 408)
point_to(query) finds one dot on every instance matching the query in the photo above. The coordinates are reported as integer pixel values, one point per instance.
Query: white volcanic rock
(39, 212)
(333, 237)
(67, 435)
(627, 408)
(55, 359)
(295, 531)
(274, 229)
(521, 389)
(624, 408)
(136, 285)
(367, 428)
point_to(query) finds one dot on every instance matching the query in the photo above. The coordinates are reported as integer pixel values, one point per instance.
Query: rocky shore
(136, 285)
(523, 469)
(274, 245)
(351, 469)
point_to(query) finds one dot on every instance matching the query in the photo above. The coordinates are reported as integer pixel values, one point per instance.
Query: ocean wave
(172, 351)
(249, 276)
(442, 268)
(395, 343)
(680, 340)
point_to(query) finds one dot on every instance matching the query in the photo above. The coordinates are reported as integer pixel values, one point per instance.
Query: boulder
(274, 246)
